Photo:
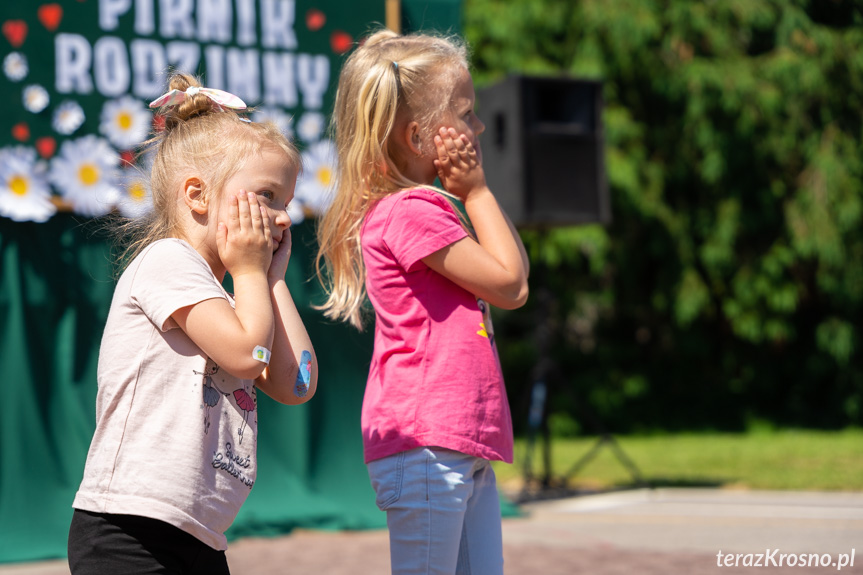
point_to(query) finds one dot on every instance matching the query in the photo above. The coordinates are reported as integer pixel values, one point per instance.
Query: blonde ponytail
(386, 76)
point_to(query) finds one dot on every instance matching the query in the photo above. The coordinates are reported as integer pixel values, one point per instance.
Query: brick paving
(645, 532)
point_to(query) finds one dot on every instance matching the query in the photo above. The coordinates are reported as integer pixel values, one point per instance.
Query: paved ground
(645, 532)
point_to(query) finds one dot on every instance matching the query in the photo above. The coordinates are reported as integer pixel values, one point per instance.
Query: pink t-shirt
(435, 379)
(175, 435)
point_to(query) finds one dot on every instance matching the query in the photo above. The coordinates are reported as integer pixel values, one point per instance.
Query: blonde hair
(199, 138)
(388, 76)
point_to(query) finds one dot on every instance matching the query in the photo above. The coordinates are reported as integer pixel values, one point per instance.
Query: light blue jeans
(443, 512)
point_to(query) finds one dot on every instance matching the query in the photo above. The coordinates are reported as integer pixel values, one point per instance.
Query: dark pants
(107, 544)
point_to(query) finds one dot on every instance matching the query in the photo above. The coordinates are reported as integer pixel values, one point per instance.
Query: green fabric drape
(55, 292)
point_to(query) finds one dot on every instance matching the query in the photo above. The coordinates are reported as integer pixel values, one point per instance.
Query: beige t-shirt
(175, 435)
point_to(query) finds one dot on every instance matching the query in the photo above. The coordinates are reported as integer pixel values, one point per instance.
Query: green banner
(55, 290)
(77, 79)
(78, 76)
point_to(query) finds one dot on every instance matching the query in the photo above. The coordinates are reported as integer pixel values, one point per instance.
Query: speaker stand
(611, 442)
(543, 373)
(537, 421)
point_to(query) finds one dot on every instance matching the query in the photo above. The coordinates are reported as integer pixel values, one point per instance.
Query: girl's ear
(193, 195)
(413, 139)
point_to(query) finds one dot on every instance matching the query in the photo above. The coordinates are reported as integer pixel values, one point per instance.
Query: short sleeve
(172, 275)
(421, 222)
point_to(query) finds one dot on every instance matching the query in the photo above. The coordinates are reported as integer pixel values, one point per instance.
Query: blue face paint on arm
(304, 376)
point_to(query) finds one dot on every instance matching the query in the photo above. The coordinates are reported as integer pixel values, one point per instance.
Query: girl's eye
(268, 195)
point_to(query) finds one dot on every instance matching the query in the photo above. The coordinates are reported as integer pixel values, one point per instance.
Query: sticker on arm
(304, 375)
(261, 354)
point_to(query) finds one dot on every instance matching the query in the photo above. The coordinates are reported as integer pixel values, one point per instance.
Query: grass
(779, 460)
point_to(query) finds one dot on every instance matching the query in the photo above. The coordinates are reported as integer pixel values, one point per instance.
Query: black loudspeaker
(543, 150)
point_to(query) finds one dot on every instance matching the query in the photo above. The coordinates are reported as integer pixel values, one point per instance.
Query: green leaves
(836, 337)
(734, 157)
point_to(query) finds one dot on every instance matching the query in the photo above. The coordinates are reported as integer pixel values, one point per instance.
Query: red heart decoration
(15, 31)
(341, 42)
(50, 16)
(46, 146)
(315, 19)
(21, 132)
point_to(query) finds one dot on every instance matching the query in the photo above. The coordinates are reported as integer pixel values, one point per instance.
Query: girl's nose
(282, 219)
(478, 127)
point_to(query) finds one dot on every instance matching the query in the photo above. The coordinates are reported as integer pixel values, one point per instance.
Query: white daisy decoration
(68, 117)
(86, 172)
(314, 186)
(137, 195)
(296, 212)
(24, 191)
(311, 126)
(125, 122)
(36, 98)
(15, 66)
(278, 117)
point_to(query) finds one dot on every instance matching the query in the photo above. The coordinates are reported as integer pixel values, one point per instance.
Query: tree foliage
(729, 286)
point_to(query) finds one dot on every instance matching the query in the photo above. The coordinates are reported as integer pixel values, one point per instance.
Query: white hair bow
(220, 97)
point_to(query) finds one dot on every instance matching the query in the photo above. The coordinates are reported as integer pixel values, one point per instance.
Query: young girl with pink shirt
(435, 411)
(173, 456)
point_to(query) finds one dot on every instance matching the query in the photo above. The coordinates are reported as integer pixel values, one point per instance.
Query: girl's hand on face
(244, 241)
(279, 265)
(458, 164)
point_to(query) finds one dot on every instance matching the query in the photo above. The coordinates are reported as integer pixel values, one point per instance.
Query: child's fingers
(457, 146)
(442, 153)
(459, 142)
(284, 246)
(233, 214)
(446, 135)
(259, 219)
(451, 147)
(281, 257)
(255, 216)
(265, 223)
(456, 138)
(244, 218)
(471, 151)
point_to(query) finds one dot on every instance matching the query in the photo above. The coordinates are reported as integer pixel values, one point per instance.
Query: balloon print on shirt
(247, 404)
(485, 328)
(212, 393)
